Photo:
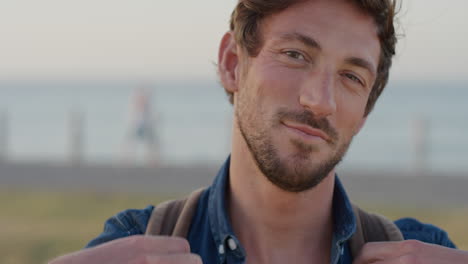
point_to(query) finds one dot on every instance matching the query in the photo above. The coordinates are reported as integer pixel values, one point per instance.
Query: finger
(160, 244)
(409, 252)
(378, 251)
(137, 245)
(374, 251)
(173, 259)
(387, 261)
(128, 250)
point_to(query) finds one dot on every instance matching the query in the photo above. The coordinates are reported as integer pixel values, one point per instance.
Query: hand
(409, 252)
(135, 250)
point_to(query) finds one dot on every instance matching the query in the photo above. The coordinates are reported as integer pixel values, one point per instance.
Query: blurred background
(107, 105)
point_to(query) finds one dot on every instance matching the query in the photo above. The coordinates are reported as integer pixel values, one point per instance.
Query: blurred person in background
(141, 134)
(302, 76)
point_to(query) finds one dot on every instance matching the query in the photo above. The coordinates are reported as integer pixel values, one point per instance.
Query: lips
(308, 130)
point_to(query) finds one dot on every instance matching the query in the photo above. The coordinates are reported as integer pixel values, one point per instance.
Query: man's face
(300, 102)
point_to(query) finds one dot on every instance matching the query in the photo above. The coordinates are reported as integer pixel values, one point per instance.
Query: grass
(38, 226)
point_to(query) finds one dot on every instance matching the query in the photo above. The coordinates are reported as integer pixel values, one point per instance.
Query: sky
(156, 39)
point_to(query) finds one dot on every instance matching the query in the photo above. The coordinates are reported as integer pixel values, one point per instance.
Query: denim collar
(229, 246)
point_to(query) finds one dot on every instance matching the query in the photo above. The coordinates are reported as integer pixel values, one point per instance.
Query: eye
(295, 55)
(354, 78)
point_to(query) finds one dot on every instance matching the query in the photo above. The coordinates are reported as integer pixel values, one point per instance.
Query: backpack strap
(173, 218)
(372, 228)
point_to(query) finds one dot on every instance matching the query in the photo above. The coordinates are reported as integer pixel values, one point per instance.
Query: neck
(273, 225)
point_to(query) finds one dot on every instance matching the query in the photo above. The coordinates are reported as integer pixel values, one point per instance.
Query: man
(302, 77)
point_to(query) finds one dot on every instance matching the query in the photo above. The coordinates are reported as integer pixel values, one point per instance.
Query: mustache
(308, 118)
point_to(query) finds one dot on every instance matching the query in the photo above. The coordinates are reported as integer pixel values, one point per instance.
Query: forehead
(338, 25)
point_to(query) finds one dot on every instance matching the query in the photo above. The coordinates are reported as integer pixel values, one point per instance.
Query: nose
(317, 94)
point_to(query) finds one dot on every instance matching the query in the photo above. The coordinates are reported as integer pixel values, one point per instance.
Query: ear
(228, 62)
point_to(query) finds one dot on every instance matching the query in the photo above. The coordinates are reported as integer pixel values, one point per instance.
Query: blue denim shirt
(211, 235)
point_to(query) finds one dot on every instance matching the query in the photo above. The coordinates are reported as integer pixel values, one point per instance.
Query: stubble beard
(297, 172)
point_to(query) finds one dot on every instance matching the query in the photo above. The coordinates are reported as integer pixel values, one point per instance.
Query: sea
(415, 124)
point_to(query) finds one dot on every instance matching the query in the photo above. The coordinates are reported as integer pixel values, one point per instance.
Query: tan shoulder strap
(173, 218)
(372, 228)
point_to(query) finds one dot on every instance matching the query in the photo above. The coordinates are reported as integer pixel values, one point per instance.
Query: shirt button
(221, 249)
(232, 244)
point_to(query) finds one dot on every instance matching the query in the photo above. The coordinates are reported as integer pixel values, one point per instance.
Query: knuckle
(135, 241)
(156, 260)
(410, 259)
(142, 259)
(366, 246)
(180, 243)
(195, 259)
(173, 244)
(411, 245)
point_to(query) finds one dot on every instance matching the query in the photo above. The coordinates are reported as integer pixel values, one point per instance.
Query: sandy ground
(390, 187)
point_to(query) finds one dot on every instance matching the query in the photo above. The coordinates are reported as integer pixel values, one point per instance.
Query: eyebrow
(312, 43)
(306, 40)
(362, 64)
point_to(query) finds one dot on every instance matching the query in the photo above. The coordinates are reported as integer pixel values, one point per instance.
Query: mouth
(307, 131)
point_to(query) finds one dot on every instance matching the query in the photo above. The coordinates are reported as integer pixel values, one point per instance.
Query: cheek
(350, 114)
(279, 84)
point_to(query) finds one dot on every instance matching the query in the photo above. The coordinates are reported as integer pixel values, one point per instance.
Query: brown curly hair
(246, 18)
